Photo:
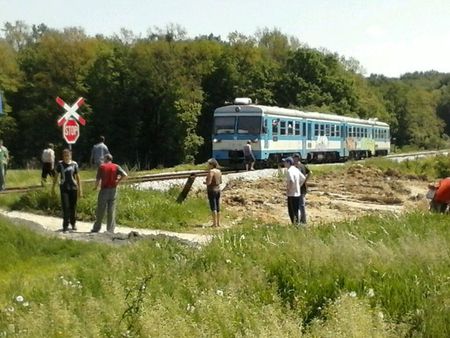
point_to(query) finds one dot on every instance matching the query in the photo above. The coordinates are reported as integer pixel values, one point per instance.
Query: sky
(389, 37)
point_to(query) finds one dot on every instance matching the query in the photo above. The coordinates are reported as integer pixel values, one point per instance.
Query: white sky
(389, 37)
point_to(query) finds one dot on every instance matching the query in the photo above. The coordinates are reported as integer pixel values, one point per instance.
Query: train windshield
(224, 124)
(249, 124)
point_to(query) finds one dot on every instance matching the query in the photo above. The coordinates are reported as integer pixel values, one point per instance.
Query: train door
(303, 133)
(343, 141)
(267, 134)
(309, 131)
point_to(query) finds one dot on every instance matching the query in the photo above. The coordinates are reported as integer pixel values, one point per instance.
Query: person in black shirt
(70, 188)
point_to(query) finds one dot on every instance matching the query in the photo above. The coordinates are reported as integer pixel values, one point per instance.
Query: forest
(153, 96)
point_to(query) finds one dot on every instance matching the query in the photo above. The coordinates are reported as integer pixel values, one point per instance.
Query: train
(277, 132)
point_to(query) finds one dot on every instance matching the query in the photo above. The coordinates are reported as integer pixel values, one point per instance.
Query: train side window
(304, 129)
(350, 131)
(290, 127)
(274, 127)
(297, 128)
(316, 130)
(283, 128)
(327, 130)
(322, 130)
(338, 131)
(333, 128)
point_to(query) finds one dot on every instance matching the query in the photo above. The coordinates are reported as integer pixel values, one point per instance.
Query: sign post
(69, 121)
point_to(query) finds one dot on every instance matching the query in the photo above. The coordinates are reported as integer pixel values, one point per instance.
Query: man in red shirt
(109, 174)
(441, 197)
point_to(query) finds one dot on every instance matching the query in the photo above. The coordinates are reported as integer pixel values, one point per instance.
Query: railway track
(200, 173)
(130, 179)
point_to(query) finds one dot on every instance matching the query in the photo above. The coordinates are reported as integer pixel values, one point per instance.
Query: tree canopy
(152, 96)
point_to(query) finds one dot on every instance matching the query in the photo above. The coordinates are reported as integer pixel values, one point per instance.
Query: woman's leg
(65, 206)
(73, 197)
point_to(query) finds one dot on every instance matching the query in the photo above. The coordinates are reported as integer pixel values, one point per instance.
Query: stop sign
(71, 131)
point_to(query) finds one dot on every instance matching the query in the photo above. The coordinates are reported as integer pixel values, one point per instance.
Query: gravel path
(198, 183)
(122, 235)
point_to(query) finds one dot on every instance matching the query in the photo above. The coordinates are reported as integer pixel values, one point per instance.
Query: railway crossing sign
(69, 121)
(71, 131)
(71, 111)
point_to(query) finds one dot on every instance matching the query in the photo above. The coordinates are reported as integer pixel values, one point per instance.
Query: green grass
(375, 277)
(135, 208)
(158, 210)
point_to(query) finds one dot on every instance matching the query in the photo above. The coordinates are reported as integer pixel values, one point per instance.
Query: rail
(130, 179)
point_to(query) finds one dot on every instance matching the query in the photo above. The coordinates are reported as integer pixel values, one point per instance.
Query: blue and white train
(277, 132)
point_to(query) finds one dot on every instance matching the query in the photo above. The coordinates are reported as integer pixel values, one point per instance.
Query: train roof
(252, 108)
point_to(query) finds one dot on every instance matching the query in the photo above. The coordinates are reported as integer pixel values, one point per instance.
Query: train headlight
(216, 141)
(255, 140)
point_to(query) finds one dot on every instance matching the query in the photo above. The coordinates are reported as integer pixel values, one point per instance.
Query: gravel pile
(198, 183)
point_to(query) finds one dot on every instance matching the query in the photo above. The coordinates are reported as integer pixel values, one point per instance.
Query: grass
(375, 277)
(135, 208)
(158, 210)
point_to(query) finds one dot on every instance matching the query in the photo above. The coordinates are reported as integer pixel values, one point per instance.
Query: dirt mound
(334, 196)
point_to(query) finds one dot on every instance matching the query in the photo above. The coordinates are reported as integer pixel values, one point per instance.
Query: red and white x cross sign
(71, 111)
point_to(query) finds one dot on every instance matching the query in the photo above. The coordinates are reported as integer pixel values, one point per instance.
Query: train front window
(249, 124)
(224, 124)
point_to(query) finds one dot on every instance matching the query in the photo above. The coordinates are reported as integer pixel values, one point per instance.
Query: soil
(331, 197)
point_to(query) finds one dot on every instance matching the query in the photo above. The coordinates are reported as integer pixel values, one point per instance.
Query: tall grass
(374, 277)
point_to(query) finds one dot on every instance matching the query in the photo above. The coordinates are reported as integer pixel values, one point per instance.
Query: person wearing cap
(249, 157)
(304, 188)
(294, 180)
(213, 181)
(110, 175)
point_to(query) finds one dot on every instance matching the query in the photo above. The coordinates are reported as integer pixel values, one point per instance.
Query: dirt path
(123, 234)
(332, 197)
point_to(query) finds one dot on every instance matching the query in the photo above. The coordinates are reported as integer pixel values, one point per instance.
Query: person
(294, 180)
(249, 158)
(110, 175)
(213, 181)
(99, 150)
(304, 187)
(441, 197)
(4, 158)
(48, 163)
(70, 188)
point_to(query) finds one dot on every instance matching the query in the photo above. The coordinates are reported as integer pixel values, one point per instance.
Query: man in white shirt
(48, 163)
(294, 180)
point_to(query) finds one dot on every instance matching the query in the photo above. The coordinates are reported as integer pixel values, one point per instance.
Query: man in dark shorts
(249, 158)
(48, 163)
(213, 181)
